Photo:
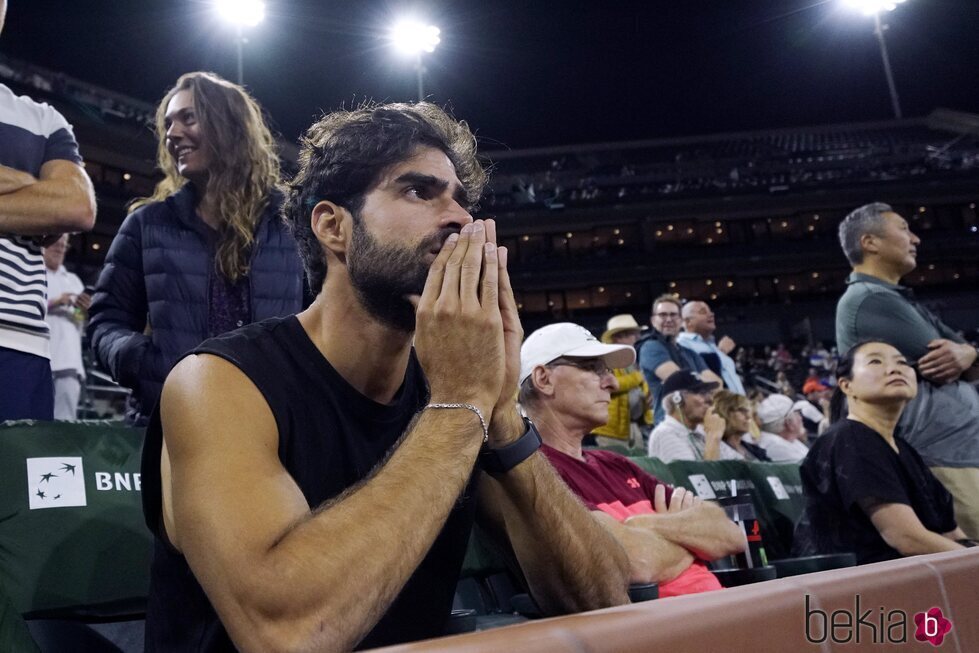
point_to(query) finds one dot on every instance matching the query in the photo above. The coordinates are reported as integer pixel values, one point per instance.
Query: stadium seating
(74, 549)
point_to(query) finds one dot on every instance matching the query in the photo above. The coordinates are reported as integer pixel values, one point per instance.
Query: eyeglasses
(596, 366)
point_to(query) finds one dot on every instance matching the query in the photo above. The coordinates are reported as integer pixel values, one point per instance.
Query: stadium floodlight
(874, 8)
(241, 14)
(412, 37)
(870, 7)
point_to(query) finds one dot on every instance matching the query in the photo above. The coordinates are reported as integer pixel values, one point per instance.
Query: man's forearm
(12, 180)
(47, 206)
(386, 526)
(710, 377)
(652, 559)
(571, 561)
(703, 529)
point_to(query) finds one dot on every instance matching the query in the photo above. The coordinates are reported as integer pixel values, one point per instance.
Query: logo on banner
(55, 482)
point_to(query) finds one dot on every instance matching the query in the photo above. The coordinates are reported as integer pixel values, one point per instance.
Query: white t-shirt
(671, 440)
(66, 331)
(781, 450)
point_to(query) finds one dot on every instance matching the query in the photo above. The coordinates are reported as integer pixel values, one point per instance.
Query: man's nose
(609, 381)
(455, 215)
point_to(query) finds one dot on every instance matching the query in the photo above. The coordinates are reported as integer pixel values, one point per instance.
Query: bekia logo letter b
(931, 626)
(55, 482)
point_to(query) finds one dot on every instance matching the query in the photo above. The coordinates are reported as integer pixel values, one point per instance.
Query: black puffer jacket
(158, 272)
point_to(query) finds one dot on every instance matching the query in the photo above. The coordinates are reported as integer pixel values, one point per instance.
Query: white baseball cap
(567, 339)
(773, 408)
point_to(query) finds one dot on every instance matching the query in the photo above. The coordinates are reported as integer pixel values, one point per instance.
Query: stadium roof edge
(940, 118)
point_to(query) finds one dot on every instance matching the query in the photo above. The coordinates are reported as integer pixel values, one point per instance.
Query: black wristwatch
(502, 460)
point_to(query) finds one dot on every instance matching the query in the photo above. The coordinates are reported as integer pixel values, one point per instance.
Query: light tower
(241, 14)
(413, 38)
(874, 8)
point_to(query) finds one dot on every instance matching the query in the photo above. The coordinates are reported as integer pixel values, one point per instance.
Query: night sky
(533, 73)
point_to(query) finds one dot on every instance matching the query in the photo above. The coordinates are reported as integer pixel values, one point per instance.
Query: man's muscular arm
(60, 200)
(571, 562)
(281, 574)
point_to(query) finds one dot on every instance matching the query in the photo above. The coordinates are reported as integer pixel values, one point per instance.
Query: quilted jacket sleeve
(118, 316)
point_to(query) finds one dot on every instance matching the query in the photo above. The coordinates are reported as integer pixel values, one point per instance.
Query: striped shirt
(31, 134)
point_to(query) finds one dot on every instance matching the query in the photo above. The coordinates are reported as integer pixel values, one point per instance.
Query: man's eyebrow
(436, 183)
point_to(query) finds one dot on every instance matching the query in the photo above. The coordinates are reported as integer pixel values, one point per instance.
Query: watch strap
(503, 459)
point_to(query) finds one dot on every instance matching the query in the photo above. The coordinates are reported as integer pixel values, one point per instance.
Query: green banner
(72, 538)
(14, 636)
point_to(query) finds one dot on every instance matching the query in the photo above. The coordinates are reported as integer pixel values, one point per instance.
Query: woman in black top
(867, 491)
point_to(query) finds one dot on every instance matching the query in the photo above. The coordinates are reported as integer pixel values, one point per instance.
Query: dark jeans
(26, 386)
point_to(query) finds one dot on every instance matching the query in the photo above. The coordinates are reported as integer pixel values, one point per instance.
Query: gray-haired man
(942, 422)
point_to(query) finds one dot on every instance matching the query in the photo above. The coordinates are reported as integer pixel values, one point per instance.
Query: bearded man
(312, 480)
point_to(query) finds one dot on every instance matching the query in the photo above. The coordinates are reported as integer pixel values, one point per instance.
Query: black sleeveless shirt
(330, 437)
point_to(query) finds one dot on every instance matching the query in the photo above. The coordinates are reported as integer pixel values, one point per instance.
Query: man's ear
(331, 223)
(541, 378)
(868, 243)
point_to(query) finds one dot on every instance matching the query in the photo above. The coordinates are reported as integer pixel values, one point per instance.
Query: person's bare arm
(12, 180)
(652, 559)
(702, 528)
(726, 344)
(900, 527)
(714, 426)
(709, 377)
(665, 370)
(947, 361)
(571, 563)
(60, 200)
(957, 534)
(286, 576)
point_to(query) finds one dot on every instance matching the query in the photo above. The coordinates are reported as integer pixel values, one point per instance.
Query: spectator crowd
(278, 431)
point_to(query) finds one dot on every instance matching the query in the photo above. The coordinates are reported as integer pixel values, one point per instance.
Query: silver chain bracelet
(479, 414)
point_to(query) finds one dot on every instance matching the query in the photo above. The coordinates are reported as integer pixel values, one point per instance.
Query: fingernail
(477, 226)
(489, 248)
(467, 228)
(451, 240)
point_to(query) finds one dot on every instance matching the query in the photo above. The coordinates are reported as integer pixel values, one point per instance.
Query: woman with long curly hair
(207, 252)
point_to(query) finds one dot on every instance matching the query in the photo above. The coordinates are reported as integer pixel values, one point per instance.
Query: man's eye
(418, 191)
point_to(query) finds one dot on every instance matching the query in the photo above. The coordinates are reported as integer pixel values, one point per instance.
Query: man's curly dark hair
(344, 154)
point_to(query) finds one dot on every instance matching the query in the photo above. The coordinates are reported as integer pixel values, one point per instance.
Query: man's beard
(384, 275)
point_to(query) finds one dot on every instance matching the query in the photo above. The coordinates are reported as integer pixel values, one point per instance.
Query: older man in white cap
(783, 437)
(630, 414)
(566, 384)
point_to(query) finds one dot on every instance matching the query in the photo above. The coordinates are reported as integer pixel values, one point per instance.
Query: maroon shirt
(618, 487)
